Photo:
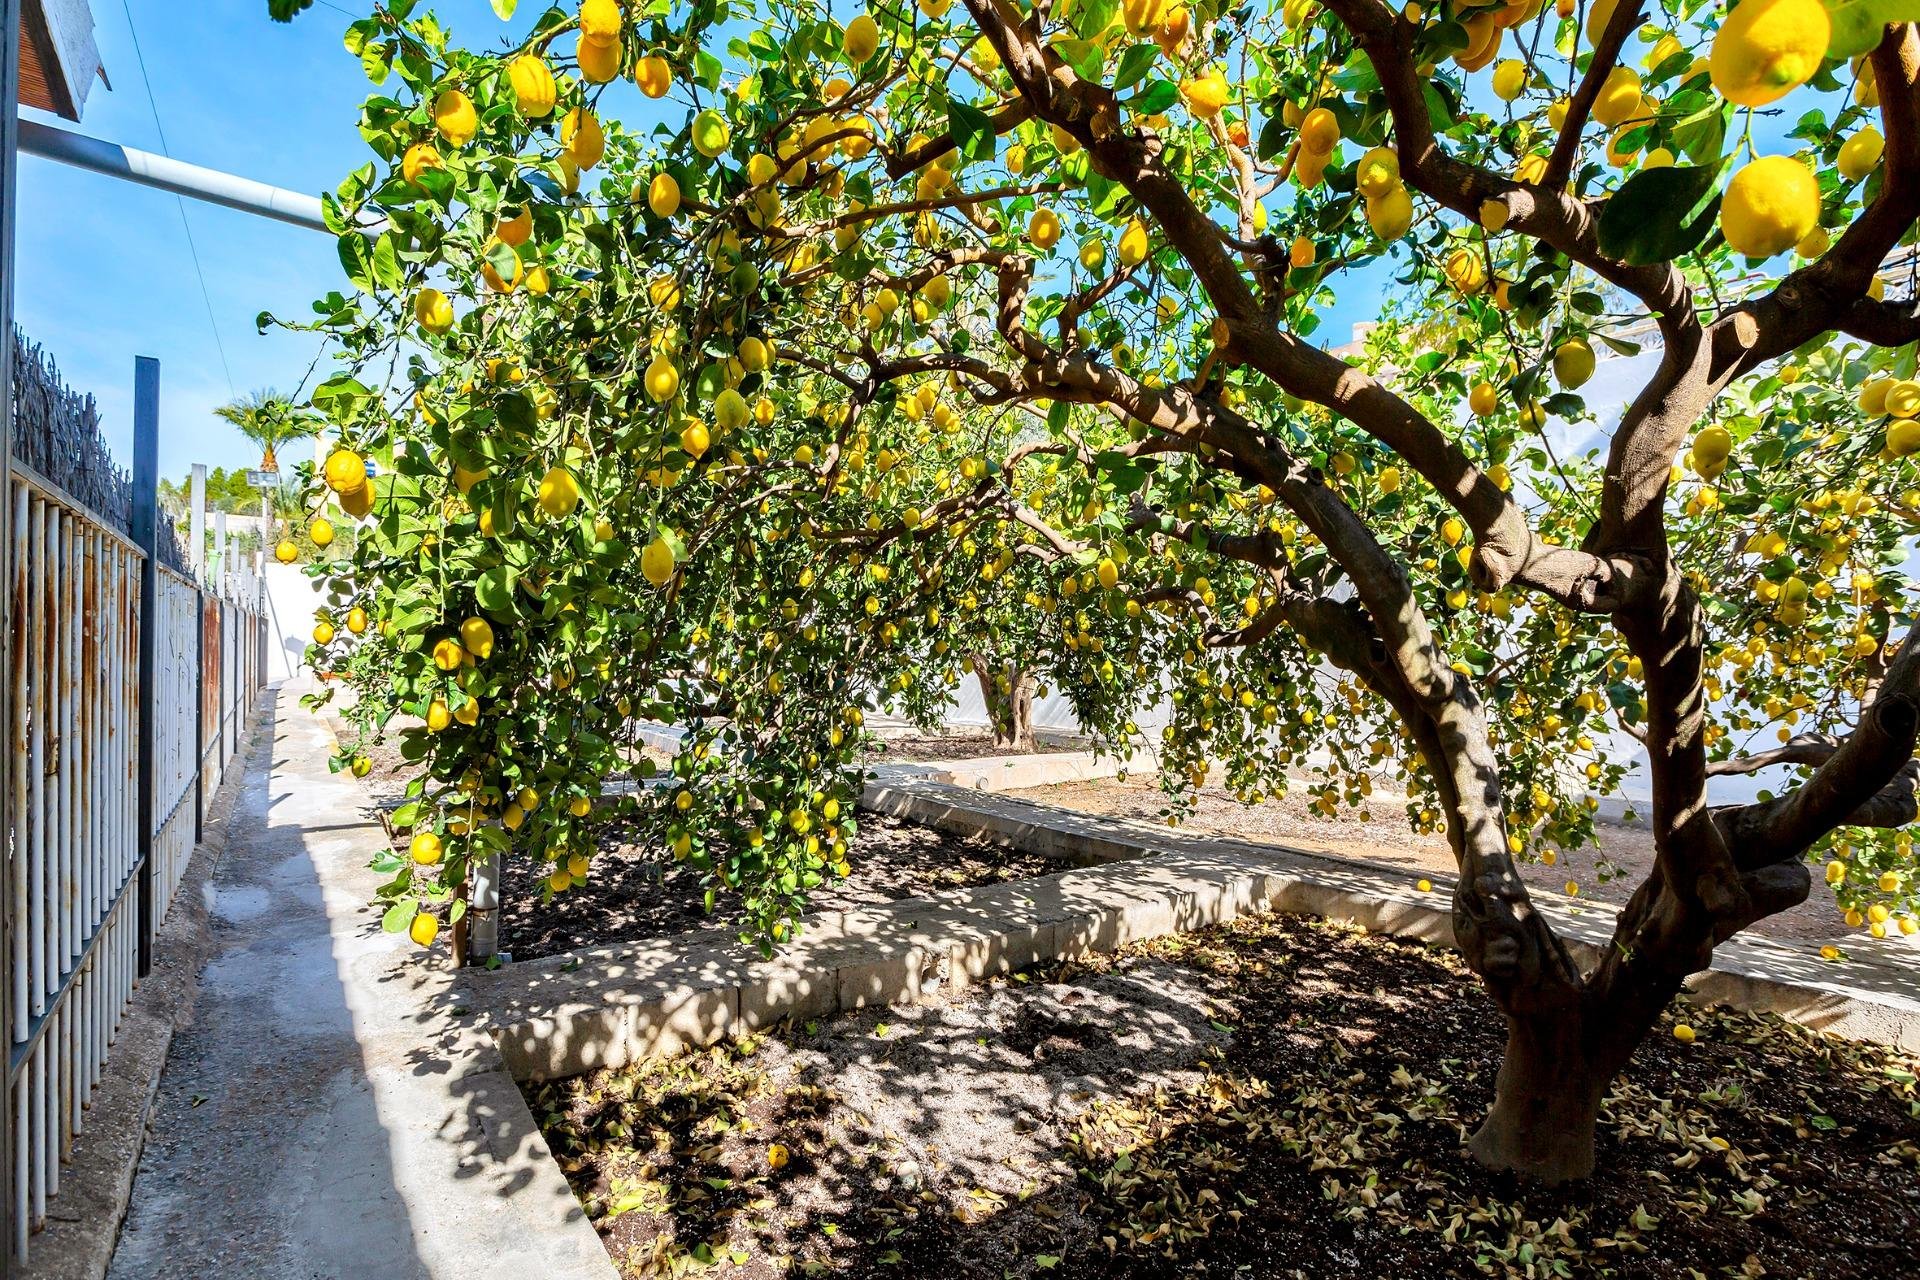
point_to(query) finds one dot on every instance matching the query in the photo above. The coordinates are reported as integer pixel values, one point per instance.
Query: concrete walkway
(311, 1122)
(1874, 995)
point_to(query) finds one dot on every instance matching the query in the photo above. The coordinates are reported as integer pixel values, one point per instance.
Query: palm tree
(270, 420)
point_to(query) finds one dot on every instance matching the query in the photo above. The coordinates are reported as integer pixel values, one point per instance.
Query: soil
(944, 747)
(638, 892)
(1609, 872)
(1282, 1097)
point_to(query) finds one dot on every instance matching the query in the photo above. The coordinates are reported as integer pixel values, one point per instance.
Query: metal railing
(127, 688)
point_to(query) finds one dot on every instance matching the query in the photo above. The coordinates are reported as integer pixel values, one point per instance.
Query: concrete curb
(83, 1223)
(609, 1006)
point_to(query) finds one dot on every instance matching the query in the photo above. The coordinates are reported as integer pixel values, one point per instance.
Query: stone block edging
(609, 1006)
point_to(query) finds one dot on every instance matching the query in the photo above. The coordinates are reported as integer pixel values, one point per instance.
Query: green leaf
(1659, 214)
(505, 8)
(707, 69)
(386, 263)
(972, 130)
(494, 590)
(1155, 98)
(1859, 24)
(399, 915)
(356, 259)
(1134, 64)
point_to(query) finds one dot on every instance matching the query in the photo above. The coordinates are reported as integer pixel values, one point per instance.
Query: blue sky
(104, 272)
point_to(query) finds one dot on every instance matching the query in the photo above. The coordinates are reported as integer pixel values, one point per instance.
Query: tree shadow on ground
(1280, 1097)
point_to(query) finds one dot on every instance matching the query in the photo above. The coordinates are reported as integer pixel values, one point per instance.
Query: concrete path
(1874, 994)
(312, 1122)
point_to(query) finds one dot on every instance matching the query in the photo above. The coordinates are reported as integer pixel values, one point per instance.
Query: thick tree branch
(1868, 780)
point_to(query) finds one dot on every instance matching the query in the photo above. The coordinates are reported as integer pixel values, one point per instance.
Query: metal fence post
(197, 523)
(9, 163)
(199, 714)
(146, 534)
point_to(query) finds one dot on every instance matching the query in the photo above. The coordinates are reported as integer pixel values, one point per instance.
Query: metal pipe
(168, 174)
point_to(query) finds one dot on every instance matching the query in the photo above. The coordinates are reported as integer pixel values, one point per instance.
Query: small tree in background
(271, 421)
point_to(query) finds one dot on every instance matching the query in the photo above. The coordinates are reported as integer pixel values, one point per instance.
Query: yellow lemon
(654, 76)
(1206, 95)
(581, 135)
(533, 87)
(1320, 131)
(1860, 154)
(1134, 244)
(711, 133)
(1378, 172)
(1683, 1033)
(1769, 206)
(1509, 79)
(438, 716)
(1466, 271)
(344, 470)
(1903, 399)
(1043, 229)
(600, 63)
(1767, 48)
(1483, 399)
(1391, 215)
(663, 195)
(516, 230)
(420, 157)
(861, 41)
(433, 311)
(455, 118)
(656, 562)
(424, 929)
(321, 531)
(425, 848)
(323, 632)
(476, 635)
(559, 492)
(600, 20)
(1619, 98)
(663, 380)
(694, 440)
(1573, 363)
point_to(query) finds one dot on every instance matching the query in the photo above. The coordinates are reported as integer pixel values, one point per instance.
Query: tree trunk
(1545, 1101)
(1009, 713)
(1559, 1062)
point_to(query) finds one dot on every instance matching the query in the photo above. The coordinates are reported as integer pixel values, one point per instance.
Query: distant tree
(270, 420)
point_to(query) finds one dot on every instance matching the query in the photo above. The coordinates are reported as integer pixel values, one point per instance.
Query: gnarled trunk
(1009, 710)
(1545, 1102)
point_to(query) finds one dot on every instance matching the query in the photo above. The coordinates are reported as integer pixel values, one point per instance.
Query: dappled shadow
(1295, 1105)
(265, 1132)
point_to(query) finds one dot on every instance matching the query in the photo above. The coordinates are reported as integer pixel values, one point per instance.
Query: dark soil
(1318, 1132)
(943, 747)
(636, 893)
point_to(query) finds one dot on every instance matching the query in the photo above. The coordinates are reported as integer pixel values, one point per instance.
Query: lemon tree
(729, 364)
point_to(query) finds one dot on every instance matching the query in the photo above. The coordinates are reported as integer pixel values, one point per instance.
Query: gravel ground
(1388, 839)
(943, 747)
(1282, 1097)
(636, 892)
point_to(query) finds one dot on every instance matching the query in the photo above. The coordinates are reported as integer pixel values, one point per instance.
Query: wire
(193, 249)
